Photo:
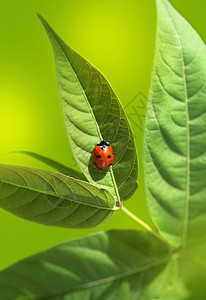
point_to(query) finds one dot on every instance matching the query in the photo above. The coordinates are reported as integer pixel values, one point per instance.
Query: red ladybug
(102, 155)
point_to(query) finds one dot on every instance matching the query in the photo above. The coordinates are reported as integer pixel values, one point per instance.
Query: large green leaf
(115, 265)
(92, 113)
(53, 198)
(175, 134)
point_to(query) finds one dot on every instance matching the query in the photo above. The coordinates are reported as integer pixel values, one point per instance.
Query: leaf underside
(54, 164)
(175, 133)
(92, 112)
(53, 198)
(114, 265)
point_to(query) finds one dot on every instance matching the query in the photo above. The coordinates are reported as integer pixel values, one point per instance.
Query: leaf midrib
(187, 190)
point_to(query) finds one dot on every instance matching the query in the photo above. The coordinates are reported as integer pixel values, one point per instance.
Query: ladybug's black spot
(108, 156)
(98, 156)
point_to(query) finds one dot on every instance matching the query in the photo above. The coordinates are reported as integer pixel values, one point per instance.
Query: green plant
(165, 264)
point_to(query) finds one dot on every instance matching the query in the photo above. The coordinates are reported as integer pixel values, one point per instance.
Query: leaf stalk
(118, 202)
(144, 225)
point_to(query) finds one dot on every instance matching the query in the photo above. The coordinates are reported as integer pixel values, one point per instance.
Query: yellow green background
(118, 38)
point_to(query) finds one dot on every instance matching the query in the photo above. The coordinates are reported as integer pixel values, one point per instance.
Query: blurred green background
(118, 38)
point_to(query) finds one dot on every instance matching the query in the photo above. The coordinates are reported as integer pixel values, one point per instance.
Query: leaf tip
(41, 18)
(164, 5)
(44, 22)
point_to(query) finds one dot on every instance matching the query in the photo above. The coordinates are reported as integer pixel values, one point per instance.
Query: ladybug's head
(103, 143)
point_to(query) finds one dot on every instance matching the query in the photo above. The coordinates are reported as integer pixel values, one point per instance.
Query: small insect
(102, 155)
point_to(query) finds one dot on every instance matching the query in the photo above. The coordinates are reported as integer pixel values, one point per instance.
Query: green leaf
(175, 134)
(53, 198)
(93, 113)
(54, 164)
(114, 265)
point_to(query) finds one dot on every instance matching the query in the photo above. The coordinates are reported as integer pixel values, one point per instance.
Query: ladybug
(102, 155)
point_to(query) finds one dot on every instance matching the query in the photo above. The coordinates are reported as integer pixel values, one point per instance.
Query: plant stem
(118, 203)
(143, 224)
(131, 215)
